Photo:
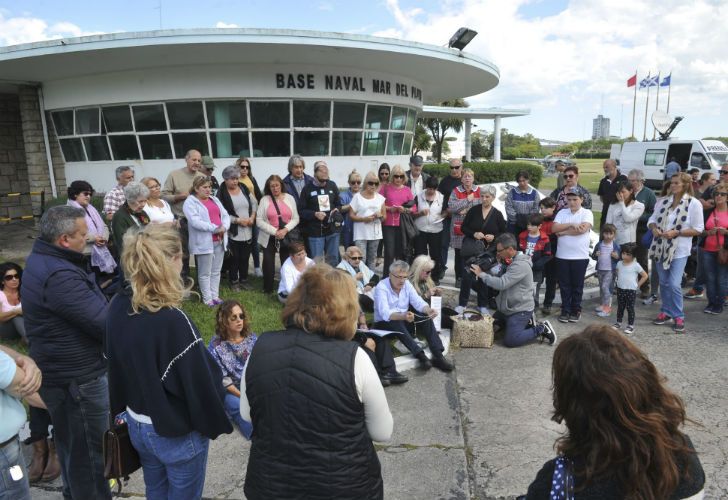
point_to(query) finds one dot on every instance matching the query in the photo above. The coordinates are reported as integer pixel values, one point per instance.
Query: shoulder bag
(292, 235)
(120, 457)
(471, 246)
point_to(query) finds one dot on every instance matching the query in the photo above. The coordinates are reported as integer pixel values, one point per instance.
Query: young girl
(231, 347)
(630, 277)
(606, 253)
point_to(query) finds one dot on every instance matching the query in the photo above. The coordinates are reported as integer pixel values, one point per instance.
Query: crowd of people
(102, 295)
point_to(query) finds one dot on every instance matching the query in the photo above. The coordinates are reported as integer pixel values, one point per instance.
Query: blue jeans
(174, 468)
(670, 289)
(518, 332)
(12, 463)
(716, 278)
(232, 408)
(571, 283)
(325, 244)
(80, 415)
(606, 286)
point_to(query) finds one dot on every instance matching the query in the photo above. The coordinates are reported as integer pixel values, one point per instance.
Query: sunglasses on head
(10, 277)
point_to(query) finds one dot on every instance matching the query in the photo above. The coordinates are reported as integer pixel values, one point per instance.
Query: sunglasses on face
(10, 277)
(720, 193)
(87, 193)
(454, 168)
(723, 172)
(355, 182)
(428, 272)
(356, 258)
(245, 166)
(398, 176)
(370, 183)
(570, 176)
(235, 317)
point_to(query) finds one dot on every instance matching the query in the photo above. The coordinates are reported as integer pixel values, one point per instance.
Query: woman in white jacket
(208, 224)
(625, 214)
(277, 216)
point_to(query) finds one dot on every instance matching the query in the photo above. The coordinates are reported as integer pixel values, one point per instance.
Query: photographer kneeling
(514, 280)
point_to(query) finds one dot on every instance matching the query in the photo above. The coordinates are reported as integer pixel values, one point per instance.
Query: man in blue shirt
(393, 297)
(19, 378)
(672, 168)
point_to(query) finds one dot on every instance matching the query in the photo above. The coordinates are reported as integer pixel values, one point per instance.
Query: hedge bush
(96, 201)
(489, 171)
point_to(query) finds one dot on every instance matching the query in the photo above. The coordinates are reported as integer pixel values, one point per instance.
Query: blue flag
(654, 81)
(645, 82)
(666, 81)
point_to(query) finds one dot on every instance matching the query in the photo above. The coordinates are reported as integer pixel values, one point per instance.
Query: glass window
(229, 144)
(655, 157)
(270, 115)
(407, 144)
(117, 119)
(63, 121)
(227, 114)
(346, 143)
(399, 118)
(149, 118)
(311, 143)
(394, 146)
(87, 121)
(97, 148)
(155, 147)
(183, 142)
(411, 120)
(699, 161)
(124, 147)
(271, 144)
(311, 114)
(378, 117)
(374, 143)
(72, 150)
(348, 115)
(185, 115)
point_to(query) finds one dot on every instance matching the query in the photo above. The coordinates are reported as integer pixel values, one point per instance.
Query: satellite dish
(662, 121)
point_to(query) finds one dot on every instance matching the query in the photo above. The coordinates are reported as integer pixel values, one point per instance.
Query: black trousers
(392, 236)
(430, 244)
(269, 263)
(238, 263)
(626, 300)
(184, 234)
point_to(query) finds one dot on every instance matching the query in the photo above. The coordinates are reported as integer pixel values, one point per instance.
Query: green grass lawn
(590, 173)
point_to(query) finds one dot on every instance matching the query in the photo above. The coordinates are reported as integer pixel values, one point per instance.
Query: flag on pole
(632, 81)
(666, 81)
(645, 82)
(654, 81)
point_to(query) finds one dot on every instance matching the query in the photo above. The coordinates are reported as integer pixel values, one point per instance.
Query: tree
(438, 128)
(422, 140)
(480, 145)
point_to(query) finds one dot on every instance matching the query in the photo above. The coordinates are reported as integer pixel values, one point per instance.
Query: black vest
(309, 435)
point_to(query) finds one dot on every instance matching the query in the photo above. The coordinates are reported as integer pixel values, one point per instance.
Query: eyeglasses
(454, 168)
(234, 179)
(10, 277)
(571, 176)
(720, 193)
(398, 277)
(87, 193)
(500, 251)
(724, 172)
(155, 186)
(398, 176)
(234, 317)
(354, 183)
(370, 183)
(356, 258)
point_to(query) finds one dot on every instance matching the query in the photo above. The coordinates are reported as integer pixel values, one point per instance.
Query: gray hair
(59, 220)
(507, 240)
(637, 174)
(491, 190)
(122, 169)
(230, 171)
(455, 161)
(318, 164)
(293, 159)
(135, 190)
(399, 265)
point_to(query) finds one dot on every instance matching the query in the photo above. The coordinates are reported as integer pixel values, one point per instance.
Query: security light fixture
(461, 38)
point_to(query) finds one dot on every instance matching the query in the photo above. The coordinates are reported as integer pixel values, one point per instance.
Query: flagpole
(634, 102)
(657, 106)
(647, 103)
(669, 88)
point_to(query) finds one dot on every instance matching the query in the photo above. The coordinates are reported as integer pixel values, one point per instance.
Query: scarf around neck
(663, 249)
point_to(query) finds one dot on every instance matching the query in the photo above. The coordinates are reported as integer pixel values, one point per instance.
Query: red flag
(632, 81)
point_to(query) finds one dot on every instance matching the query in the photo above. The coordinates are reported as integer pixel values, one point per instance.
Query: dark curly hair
(78, 187)
(222, 318)
(621, 419)
(8, 266)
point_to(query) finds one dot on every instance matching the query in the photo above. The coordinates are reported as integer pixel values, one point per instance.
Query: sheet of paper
(379, 333)
(436, 305)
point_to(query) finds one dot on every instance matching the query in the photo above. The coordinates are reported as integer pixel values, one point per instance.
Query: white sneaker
(484, 311)
(459, 309)
(650, 300)
(258, 272)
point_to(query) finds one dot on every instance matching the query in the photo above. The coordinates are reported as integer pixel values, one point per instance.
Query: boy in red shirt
(548, 209)
(535, 243)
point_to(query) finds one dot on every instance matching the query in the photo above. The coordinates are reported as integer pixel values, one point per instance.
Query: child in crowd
(606, 253)
(548, 207)
(230, 348)
(536, 244)
(630, 277)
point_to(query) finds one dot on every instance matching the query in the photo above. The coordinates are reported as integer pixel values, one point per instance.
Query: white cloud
(325, 6)
(561, 65)
(25, 29)
(221, 24)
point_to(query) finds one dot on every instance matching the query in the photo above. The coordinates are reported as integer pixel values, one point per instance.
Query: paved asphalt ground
(484, 430)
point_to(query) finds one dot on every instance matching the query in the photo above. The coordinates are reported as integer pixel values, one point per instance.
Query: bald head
(193, 158)
(610, 168)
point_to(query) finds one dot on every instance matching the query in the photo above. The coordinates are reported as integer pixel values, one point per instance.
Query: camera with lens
(486, 260)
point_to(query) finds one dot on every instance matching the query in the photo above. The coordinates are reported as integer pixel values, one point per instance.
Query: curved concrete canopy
(470, 113)
(444, 73)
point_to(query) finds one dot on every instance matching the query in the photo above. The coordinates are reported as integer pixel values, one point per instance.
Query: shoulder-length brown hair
(621, 419)
(222, 319)
(687, 183)
(323, 301)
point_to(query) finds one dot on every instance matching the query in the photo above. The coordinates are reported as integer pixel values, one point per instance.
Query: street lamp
(461, 38)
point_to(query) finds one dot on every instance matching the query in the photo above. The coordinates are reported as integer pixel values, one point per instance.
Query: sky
(566, 61)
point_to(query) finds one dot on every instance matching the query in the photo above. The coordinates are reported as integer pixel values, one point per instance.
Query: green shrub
(96, 201)
(488, 171)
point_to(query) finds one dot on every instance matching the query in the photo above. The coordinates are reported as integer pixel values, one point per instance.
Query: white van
(652, 156)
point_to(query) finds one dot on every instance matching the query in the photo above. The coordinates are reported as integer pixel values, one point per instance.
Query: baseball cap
(416, 160)
(207, 163)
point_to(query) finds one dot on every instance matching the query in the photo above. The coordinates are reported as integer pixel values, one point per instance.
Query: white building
(600, 127)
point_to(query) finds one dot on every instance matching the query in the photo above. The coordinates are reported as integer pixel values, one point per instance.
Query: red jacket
(541, 252)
